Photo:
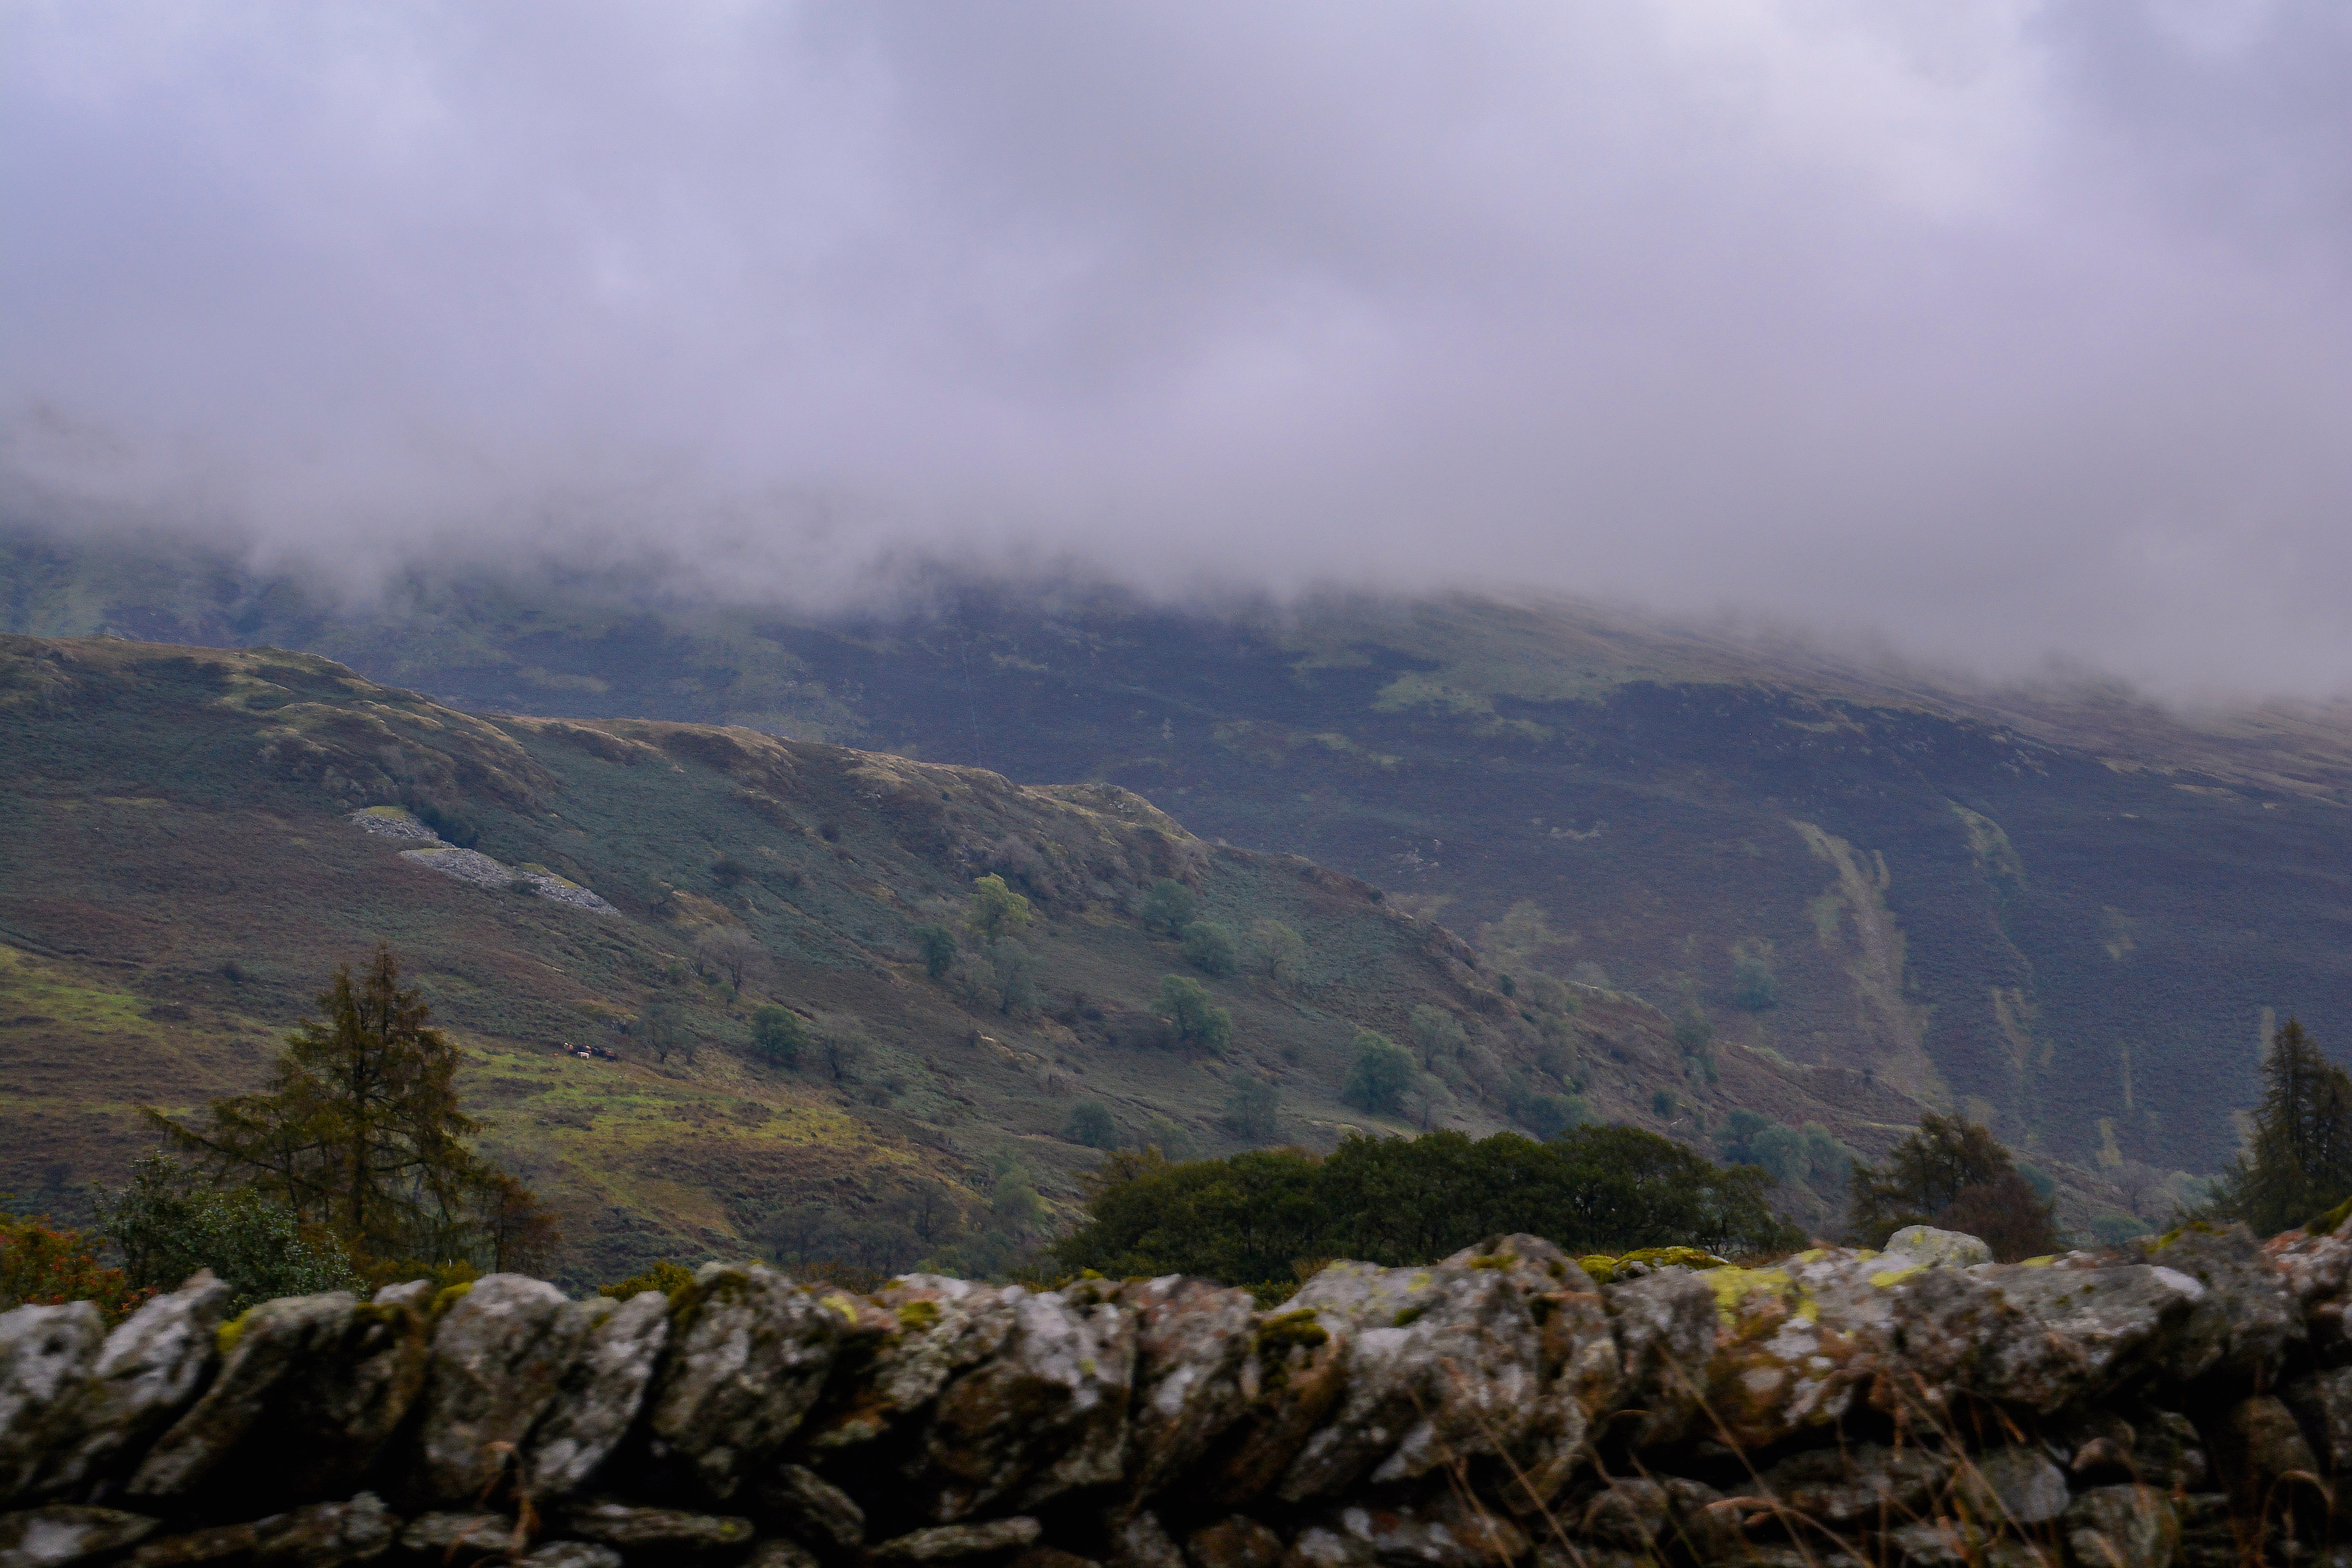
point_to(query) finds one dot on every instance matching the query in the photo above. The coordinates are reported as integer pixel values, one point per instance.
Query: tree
(1753, 987)
(1253, 1109)
(1184, 1001)
(994, 910)
(1950, 1171)
(1169, 906)
(518, 1234)
(1694, 1030)
(842, 1052)
(778, 1034)
(1379, 1076)
(1549, 1115)
(1437, 1033)
(1209, 948)
(936, 944)
(729, 950)
(1277, 951)
(166, 1224)
(45, 1265)
(1173, 1142)
(357, 1128)
(1013, 975)
(1090, 1124)
(2298, 1163)
(664, 1029)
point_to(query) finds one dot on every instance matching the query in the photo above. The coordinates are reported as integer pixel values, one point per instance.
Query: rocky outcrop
(2188, 1401)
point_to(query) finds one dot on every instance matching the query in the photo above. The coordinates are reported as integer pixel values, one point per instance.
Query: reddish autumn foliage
(41, 1265)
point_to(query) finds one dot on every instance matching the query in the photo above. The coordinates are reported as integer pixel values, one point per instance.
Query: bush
(1438, 1034)
(1400, 1202)
(1169, 906)
(727, 870)
(1277, 951)
(1209, 948)
(1012, 976)
(778, 1035)
(994, 910)
(1549, 1115)
(1379, 1076)
(665, 1277)
(1173, 1142)
(1694, 1031)
(1954, 1175)
(1091, 1125)
(936, 944)
(1184, 1001)
(167, 1224)
(1252, 1110)
(1753, 988)
(43, 1265)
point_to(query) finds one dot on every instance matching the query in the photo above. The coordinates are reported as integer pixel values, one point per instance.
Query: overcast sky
(2003, 328)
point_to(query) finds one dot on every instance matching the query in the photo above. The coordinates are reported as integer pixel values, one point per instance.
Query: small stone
(1052, 1557)
(633, 1529)
(46, 1356)
(1138, 1540)
(586, 1555)
(60, 1535)
(449, 1536)
(1665, 1331)
(2323, 1401)
(2013, 1486)
(416, 1294)
(2121, 1527)
(222, 1543)
(2167, 1453)
(1939, 1248)
(326, 1535)
(813, 1508)
(1438, 1536)
(2257, 1447)
(1236, 1540)
(1936, 1542)
(1699, 1524)
(1862, 1481)
(776, 1551)
(1626, 1513)
(947, 1542)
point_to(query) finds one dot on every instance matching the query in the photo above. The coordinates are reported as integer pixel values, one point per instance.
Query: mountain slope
(201, 835)
(2067, 912)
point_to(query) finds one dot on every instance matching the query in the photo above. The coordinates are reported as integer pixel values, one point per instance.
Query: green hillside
(2066, 911)
(190, 854)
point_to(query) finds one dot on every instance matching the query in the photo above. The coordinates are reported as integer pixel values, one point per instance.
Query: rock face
(2163, 1405)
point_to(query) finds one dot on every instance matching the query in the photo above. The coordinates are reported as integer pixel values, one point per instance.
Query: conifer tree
(2298, 1163)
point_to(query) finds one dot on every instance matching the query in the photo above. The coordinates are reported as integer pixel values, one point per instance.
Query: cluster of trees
(2297, 1165)
(1954, 1175)
(1810, 1154)
(1266, 1218)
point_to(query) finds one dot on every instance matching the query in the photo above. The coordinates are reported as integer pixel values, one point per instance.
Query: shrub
(166, 1225)
(1954, 1175)
(994, 910)
(1549, 1115)
(1753, 988)
(1013, 976)
(727, 870)
(1380, 1075)
(1209, 948)
(1184, 1001)
(1694, 1031)
(1437, 1033)
(1277, 951)
(936, 944)
(44, 1264)
(1169, 906)
(665, 1277)
(1090, 1124)
(1252, 1110)
(1173, 1142)
(778, 1035)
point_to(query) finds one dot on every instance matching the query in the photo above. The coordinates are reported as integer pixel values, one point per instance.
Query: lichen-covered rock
(1193, 1344)
(1577, 1361)
(1933, 1248)
(2247, 1320)
(1236, 1540)
(944, 1328)
(1443, 1366)
(310, 1389)
(654, 1530)
(2121, 1527)
(578, 1554)
(1440, 1536)
(46, 1357)
(1047, 1412)
(2016, 1486)
(453, 1537)
(1794, 1343)
(1626, 1513)
(812, 1508)
(62, 1534)
(195, 1549)
(751, 1355)
(1138, 1540)
(947, 1542)
(326, 1534)
(1666, 1332)
(597, 1400)
(498, 1356)
(1296, 1372)
(1857, 1482)
(147, 1372)
(2054, 1335)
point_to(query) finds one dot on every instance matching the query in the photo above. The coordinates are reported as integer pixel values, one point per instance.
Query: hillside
(200, 836)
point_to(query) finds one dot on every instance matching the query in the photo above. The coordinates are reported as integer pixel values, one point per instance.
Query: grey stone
(62, 1534)
(416, 1294)
(46, 1357)
(499, 1354)
(573, 1554)
(1296, 1375)
(751, 1355)
(1939, 1248)
(1628, 1512)
(2121, 1527)
(313, 1388)
(326, 1535)
(148, 1371)
(2257, 1448)
(1236, 1540)
(776, 1551)
(2055, 1336)
(655, 1530)
(1193, 1339)
(813, 1508)
(2168, 1452)
(1940, 1542)
(947, 1542)
(1044, 1413)
(1440, 1536)
(1701, 1524)
(602, 1391)
(1138, 1540)
(196, 1548)
(1442, 1367)
(1578, 1364)
(1863, 1481)
(2323, 1401)
(1666, 1332)
(2247, 1321)
(448, 1536)
(2013, 1486)
(945, 1327)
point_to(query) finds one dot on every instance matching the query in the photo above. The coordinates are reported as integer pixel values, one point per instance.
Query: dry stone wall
(2189, 1401)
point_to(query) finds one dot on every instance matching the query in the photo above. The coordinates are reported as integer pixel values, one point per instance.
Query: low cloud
(2008, 332)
